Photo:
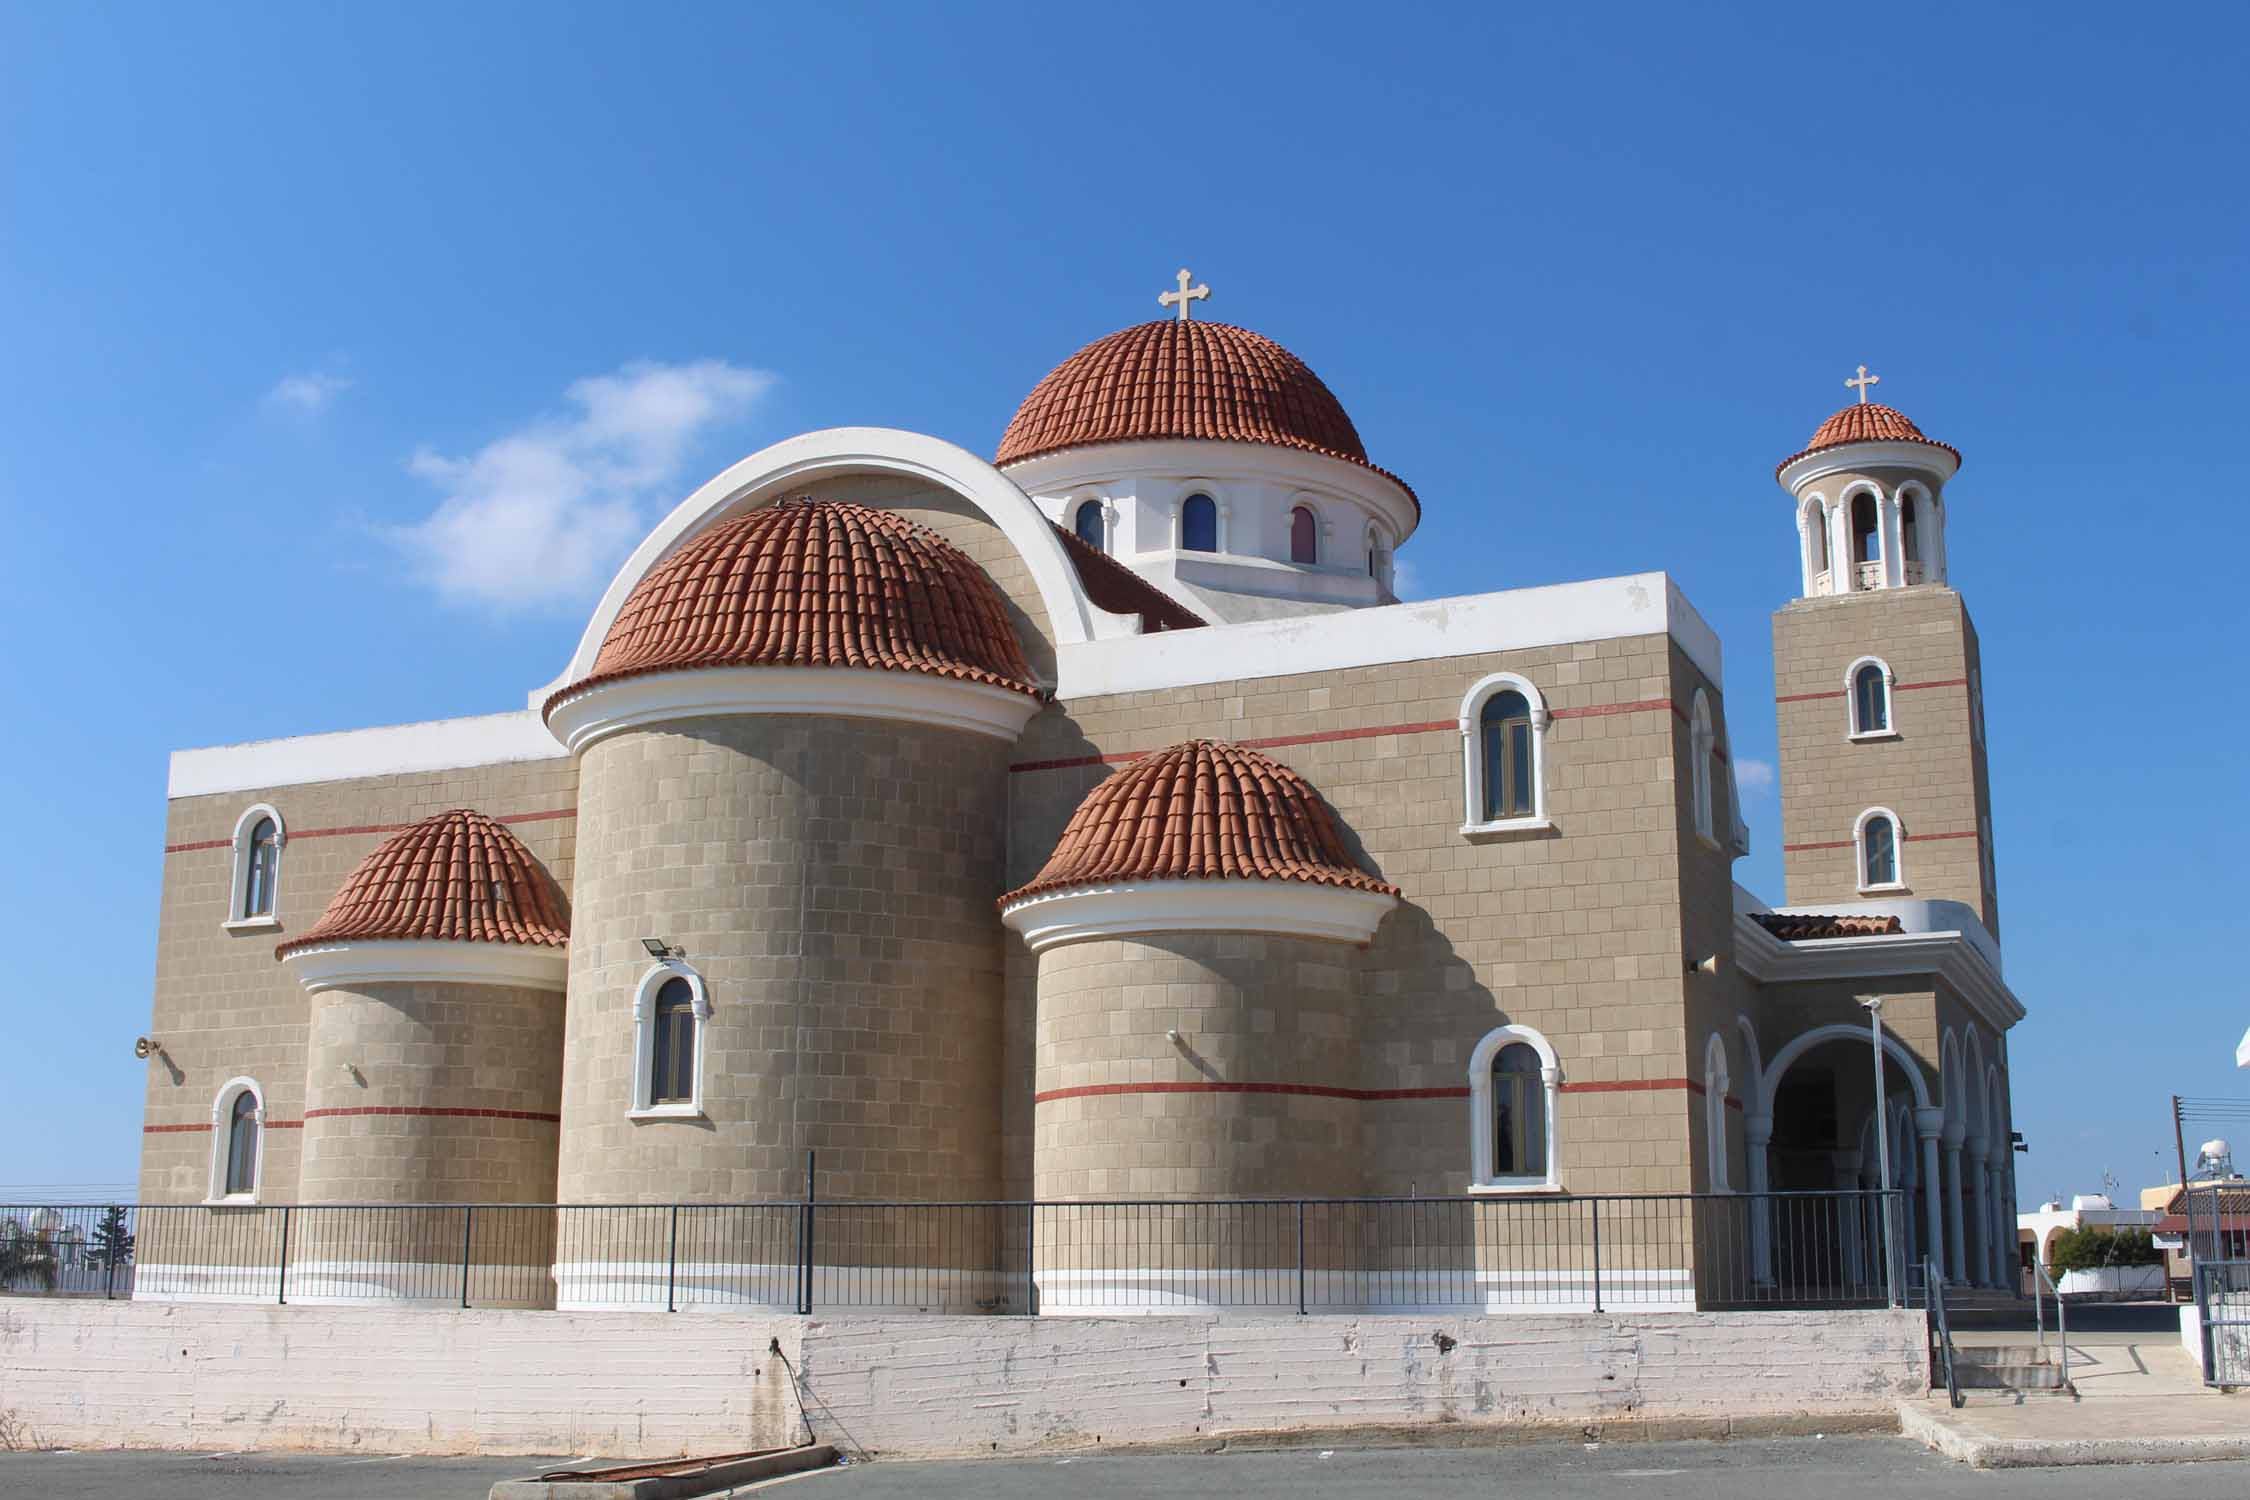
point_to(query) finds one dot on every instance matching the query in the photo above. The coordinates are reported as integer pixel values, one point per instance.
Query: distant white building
(2036, 1232)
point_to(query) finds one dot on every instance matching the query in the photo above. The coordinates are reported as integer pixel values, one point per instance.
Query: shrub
(2092, 1249)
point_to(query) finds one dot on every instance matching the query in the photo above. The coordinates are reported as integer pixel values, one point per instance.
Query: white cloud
(307, 395)
(542, 515)
(1753, 775)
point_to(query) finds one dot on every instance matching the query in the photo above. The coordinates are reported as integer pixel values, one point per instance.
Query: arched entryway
(1811, 1130)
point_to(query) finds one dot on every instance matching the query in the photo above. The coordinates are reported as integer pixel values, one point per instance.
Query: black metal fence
(1481, 1253)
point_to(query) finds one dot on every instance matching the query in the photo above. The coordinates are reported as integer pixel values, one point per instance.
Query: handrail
(1936, 1286)
(2040, 1277)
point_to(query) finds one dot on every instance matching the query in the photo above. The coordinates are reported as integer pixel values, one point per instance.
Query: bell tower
(1878, 687)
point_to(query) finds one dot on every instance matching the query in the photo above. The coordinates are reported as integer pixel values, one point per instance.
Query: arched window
(1375, 554)
(1088, 523)
(1701, 745)
(238, 1117)
(1867, 536)
(1199, 524)
(1867, 685)
(1877, 838)
(1304, 537)
(258, 840)
(1817, 560)
(1715, 1086)
(1503, 739)
(1504, 732)
(1513, 1079)
(669, 1012)
(1910, 532)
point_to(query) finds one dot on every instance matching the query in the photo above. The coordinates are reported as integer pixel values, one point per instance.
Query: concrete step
(2005, 1368)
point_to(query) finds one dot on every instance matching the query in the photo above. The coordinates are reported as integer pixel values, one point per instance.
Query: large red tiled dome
(807, 583)
(1866, 423)
(1174, 379)
(1205, 810)
(459, 877)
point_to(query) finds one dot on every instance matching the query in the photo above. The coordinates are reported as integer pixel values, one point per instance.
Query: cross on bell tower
(1865, 380)
(1185, 295)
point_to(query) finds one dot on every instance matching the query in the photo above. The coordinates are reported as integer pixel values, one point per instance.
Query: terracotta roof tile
(1117, 588)
(459, 877)
(1172, 379)
(1810, 926)
(1205, 810)
(807, 583)
(1866, 423)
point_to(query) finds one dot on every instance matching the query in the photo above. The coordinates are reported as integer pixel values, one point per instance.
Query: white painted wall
(136, 1374)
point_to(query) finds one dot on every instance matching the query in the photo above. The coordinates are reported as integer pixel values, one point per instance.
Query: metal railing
(1285, 1255)
(1941, 1333)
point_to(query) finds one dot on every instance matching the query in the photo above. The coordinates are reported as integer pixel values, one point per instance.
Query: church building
(1090, 821)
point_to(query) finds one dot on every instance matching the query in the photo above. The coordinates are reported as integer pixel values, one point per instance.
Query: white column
(1843, 573)
(1804, 551)
(1929, 1124)
(1757, 1134)
(1894, 565)
(1980, 1214)
(1956, 1262)
(1934, 530)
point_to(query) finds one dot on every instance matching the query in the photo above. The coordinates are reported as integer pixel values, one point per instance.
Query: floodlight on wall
(146, 1047)
(662, 948)
(1708, 964)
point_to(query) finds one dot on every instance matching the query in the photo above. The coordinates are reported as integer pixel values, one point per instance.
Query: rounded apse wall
(428, 1093)
(831, 881)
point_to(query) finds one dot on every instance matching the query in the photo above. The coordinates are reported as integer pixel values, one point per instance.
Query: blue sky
(293, 300)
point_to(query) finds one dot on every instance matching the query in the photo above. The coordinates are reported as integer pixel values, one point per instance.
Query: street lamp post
(1874, 1005)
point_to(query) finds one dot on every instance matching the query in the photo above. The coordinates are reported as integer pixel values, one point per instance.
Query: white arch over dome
(772, 473)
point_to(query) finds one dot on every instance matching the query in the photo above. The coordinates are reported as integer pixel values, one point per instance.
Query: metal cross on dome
(1865, 380)
(1185, 295)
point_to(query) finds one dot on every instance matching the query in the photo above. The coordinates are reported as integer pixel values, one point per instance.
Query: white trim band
(609, 708)
(1283, 908)
(346, 965)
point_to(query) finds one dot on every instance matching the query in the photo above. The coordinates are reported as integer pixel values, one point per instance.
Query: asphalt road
(1778, 1469)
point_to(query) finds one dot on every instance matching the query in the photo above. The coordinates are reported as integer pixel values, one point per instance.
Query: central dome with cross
(1216, 464)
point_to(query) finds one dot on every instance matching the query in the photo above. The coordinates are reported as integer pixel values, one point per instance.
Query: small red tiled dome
(806, 583)
(1205, 810)
(1174, 379)
(459, 877)
(1866, 423)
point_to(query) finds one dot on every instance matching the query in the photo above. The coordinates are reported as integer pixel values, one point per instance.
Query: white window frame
(1716, 1082)
(1105, 510)
(1884, 550)
(643, 1106)
(1853, 730)
(1819, 562)
(222, 1142)
(1898, 850)
(1481, 1176)
(1473, 821)
(1914, 497)
(239, 918)
(1702, 742)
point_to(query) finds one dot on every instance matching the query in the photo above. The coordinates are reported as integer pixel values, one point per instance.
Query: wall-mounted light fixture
(662, 948)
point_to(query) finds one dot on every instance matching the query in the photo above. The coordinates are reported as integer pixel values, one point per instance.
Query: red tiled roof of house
(1809, 926)
(1205, 810)
(1868, 423)
(1117, 588)
(1174, 379)
(459, 877)
(815, 583)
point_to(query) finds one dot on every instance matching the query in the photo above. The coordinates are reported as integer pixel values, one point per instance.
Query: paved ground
(1776, 1469)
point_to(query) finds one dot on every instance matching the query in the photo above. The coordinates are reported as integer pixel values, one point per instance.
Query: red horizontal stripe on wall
(1808, 697)
(1794, 848)
(1915, 838)
(332, 833)
(1908, 687)
(170, 1129)
(1331, 736)
(1631, 1086)
(428, 1112)
(1900, 687)
(1213, 1086)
